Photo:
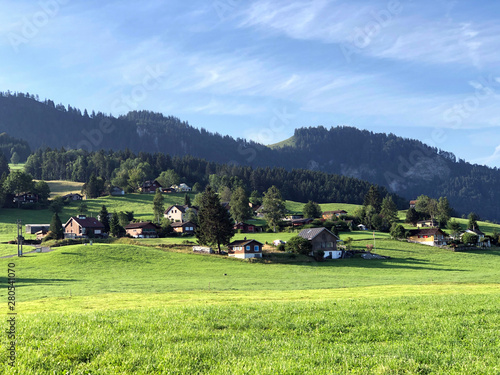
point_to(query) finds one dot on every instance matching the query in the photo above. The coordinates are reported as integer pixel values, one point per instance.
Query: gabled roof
(143, 224)
(476, 231)
(334, 212)
(149, 183)
(88, 222)
(426, 232)
(244, 242)
(311, 233)
(182, 209)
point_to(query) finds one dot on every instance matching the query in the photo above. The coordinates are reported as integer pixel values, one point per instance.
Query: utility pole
(19, 239)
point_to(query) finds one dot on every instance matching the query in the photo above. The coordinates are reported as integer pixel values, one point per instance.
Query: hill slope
(406, 167)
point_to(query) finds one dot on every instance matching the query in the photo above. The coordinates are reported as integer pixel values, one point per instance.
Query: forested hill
(406, 167)
(45, 124)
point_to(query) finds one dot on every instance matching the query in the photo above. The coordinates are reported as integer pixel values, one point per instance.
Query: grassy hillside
(58, 188)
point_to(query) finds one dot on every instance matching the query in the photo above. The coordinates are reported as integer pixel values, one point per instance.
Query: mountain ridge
(406, 167)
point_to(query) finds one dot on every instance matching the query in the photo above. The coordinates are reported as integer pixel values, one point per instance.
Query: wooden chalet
(245, 249)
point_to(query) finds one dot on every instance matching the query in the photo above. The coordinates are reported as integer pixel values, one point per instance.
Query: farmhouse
(328, 215)
(149, 187)
(482, 239)
(322, 239)
(430, 237)
(73, 197)
(83, 227)
(245, 228)
(26, 198)
(177, 213)
(413, 203)
(245, 249)
(184, 228)
(33, 228)
(142, 230)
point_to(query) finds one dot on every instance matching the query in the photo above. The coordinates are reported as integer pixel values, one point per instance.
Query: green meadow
(133, 308)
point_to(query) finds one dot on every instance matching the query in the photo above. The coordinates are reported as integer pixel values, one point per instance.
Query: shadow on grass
(22, 282)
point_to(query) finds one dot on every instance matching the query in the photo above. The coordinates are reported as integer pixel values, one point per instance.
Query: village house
(431, 223)
(322, 239)
(83, 227)
(245, 228)
(245, 249)
(482, 239)
(301, 222)
(34, 228)
(149, 187)
(413, 204)
(184, 228)
(142, 230)
(26, 198)
(293, 217)
(184, 188)
(430, 237)
(329, 215)
(177, 213)
(73, 197)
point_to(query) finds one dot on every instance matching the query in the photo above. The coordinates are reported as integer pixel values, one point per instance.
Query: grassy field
(124, 309)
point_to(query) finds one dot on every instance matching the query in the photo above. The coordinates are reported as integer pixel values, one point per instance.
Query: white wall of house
(246, 255)
(335, 254)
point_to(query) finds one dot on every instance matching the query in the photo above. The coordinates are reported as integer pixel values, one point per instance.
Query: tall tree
(104, 218)
(273, 207)
(43, 191)
(372, 198)
(114, 225)
(240, 208)
(158, 206)
(15, 159)
(214, 223)
(18, 183)
(187, 200)
(56, 227)
(473, 219)
(443, 211)
(168, 178)
(389, 210)
(411, 216)
(426, 206)
(312, 210)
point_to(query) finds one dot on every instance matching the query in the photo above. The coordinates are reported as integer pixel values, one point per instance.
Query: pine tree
(214, 223)
(389, 210)
(443, 211)
(187, 200)
(273, 207)
(56, 227)
(473, 218)
(240, 208)
(372, 198)
(114, 225)
(158, 207)
(104, 218)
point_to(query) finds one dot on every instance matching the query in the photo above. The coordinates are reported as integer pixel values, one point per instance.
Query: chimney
(82, 217)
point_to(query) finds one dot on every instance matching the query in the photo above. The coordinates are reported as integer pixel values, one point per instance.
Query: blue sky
(258, 69)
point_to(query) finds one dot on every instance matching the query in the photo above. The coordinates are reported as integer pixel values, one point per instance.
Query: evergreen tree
(104, 218)
(214, 223)
(187, 200)
(443, 211)
(473, 218)
(56, 227)
(273, 207)
(240, 208)
(196, 187)
(454, 227)
(4, 166)
(312, 210)
(412, 216)
(92, 187)
(389, 210)
(372, 198)
(158, 207)
(114, 225)
(255, 197)
(398, 231)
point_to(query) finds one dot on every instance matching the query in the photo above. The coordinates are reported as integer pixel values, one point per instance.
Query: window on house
(248, 247)
(256, 248)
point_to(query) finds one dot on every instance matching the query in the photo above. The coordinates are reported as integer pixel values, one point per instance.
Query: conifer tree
(56, 227)
(158, 207)
(273, 207)
(214, 223)
(240, 208)
(104, 218)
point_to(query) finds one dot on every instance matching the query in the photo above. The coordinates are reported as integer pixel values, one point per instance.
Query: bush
(298, 245)
(281, 247)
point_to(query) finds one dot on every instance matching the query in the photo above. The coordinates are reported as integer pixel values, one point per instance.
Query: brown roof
(426, 232)
(88, 222)
(143, 224)
(244, 242)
